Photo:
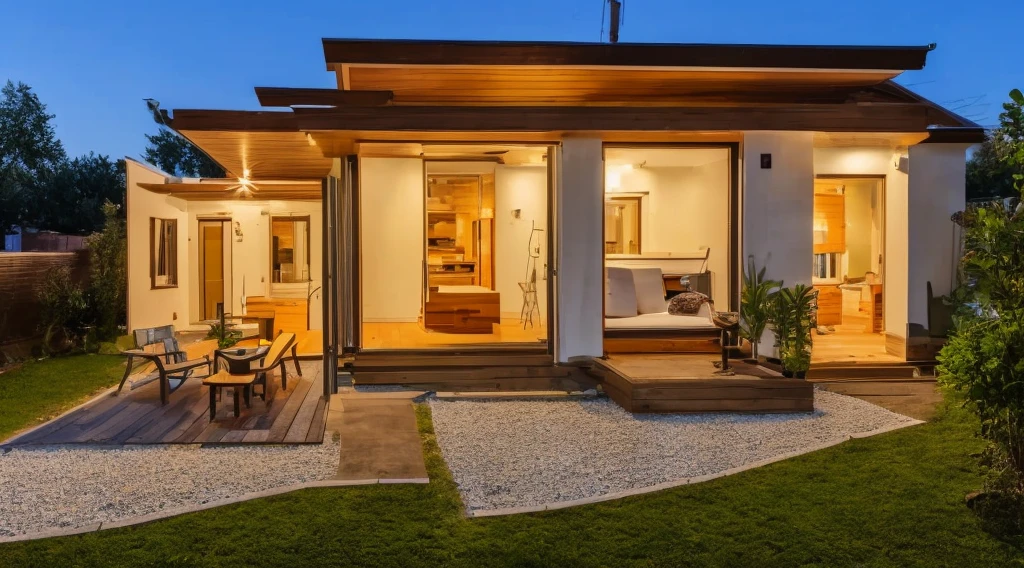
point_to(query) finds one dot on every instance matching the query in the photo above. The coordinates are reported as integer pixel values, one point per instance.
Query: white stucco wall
(524, 188)
(935, 191)
(251, 256)
(579, 230)
(391, 238)
(778, 204)
(148, 307)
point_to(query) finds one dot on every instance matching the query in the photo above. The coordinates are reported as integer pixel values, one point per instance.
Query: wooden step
(486, 379)
(864, 372)
(450, 361)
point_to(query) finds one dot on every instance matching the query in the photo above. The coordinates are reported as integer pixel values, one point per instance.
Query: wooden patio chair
(171, 363)
(244, 384)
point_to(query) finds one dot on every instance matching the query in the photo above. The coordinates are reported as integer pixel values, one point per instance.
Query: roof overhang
(655, 55)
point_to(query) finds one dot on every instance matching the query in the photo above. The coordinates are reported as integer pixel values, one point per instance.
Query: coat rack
(529, 285)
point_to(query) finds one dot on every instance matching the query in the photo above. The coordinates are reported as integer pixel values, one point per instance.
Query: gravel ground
(527, 453)
(66, 487)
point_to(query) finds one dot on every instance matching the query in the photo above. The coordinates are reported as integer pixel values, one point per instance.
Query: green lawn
(892, 500)
(39, 390)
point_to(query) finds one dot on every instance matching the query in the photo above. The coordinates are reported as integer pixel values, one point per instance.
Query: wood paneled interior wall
(454, 206)
(831, 208)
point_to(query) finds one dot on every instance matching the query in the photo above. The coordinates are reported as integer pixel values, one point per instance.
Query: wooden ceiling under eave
(523, 85)
(265, 155)
(232, 190)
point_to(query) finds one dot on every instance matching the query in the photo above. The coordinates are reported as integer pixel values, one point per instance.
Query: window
(622, 225)
(289, 250)
(163, 252)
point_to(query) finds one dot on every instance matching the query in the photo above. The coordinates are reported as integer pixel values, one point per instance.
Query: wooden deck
(296, 415)
(688, 383)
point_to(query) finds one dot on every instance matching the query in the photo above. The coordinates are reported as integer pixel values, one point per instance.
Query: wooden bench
(171, 362)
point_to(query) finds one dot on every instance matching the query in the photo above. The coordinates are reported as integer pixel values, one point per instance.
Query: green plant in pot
(225, 336)
(755, 299)
(791, 313)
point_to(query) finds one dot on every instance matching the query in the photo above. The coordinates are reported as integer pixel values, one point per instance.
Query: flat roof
(350, 51)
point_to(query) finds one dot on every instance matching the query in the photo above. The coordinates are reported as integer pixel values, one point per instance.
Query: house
(449, 211)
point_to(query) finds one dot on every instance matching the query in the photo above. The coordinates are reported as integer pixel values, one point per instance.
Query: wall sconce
(238, 231)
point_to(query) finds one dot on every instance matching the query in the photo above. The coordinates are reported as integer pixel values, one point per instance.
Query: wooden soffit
(523, 86)
(233, 189)
(264, 155)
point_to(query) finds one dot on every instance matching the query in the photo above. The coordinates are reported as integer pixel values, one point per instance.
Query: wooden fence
(21, 277)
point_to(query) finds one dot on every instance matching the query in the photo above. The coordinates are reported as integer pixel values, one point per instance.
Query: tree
(109, 279)
(176, 155)
(984, 357)
(29, 149)
(71, 196)
(990, 175)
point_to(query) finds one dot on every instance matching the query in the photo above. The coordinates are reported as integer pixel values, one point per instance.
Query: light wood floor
(408, 335)
(850, 344)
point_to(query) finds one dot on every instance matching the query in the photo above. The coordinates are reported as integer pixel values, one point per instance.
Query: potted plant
(755, 300)
(790, 314)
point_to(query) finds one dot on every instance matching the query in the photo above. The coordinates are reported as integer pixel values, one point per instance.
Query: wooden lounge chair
(171, 363)
(243, 385)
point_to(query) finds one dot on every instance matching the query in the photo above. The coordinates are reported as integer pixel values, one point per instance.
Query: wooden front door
(211, 267)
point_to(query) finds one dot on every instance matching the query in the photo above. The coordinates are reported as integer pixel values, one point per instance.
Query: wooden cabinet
(830, 304)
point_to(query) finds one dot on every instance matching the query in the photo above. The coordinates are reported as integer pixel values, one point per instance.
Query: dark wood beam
(285, 97)
(428, 52)
(826, 118)
(234, 120)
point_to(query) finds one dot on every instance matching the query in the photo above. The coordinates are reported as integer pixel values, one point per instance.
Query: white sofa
(635, 300)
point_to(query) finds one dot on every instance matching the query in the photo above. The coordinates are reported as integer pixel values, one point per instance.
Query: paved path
(379, 438)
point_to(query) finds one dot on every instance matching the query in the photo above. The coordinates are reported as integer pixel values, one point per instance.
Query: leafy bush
(109, 282)
(984, 357)
(225, 337)
(64, 311)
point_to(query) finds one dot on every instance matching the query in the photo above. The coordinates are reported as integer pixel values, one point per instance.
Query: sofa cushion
(619, 293)
(650, 291)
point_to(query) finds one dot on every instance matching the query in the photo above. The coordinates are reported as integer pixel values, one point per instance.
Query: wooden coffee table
(242, 385)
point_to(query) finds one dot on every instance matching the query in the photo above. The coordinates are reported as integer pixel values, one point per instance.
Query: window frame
(270, 249)
(172, 253)
(638, 198)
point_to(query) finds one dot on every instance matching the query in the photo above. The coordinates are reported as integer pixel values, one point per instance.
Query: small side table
(729, 323)
(238, 359)
(241, 384)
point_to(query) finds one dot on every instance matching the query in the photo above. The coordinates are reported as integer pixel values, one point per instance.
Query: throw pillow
(687, 304)
(619, 293)
(650, 290)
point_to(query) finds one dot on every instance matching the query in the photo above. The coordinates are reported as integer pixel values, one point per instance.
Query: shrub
(109, 283)
(984, 357)
(64, 311)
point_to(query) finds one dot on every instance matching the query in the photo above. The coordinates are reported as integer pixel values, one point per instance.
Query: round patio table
(238, 359)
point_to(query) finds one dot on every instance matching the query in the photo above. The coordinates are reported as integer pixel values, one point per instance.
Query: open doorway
(848, 268)
(456, 256)
(669, 240)
(214, 266)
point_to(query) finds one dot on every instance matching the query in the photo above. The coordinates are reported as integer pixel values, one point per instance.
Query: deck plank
(137, 417)
(284, 420)
(303, 418)
(317, 424)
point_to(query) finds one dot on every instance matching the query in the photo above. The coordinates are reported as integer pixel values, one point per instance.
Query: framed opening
(454, 248)
(163, 253)
(289, 250)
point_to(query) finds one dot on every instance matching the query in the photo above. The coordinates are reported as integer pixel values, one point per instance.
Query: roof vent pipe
(615, 20)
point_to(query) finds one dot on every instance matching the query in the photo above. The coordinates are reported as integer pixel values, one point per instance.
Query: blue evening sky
(92, 62)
